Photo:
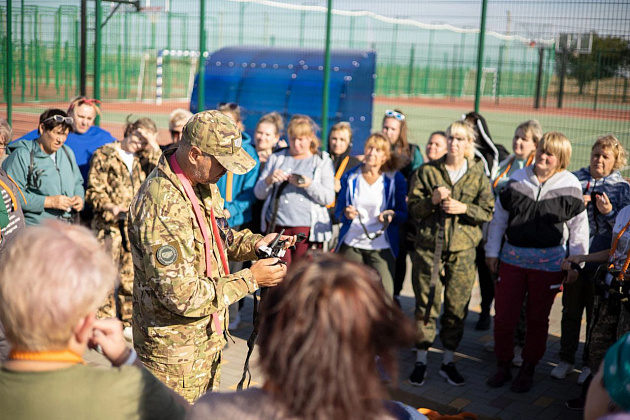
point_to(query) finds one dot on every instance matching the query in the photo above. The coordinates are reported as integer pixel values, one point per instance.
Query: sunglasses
(60, 119)
(394, 114)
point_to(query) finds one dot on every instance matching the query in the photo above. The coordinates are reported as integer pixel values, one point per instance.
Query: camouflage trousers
(456, 280)
(610, 320)
(190, 380)
(120, 300)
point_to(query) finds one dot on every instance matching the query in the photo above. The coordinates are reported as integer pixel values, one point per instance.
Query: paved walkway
(544, 401)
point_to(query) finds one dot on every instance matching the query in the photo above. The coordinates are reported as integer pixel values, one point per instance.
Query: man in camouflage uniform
(462, 233)
(111, 187)
(180, 313)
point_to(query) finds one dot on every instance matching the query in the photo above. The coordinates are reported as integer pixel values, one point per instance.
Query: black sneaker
(418, 375)
(484, 323)
(452, 376)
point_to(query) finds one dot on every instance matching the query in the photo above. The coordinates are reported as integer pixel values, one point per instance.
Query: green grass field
(581, 131)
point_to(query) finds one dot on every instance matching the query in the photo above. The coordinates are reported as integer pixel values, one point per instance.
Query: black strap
(251, 341)
(275, 203)
(437, 264)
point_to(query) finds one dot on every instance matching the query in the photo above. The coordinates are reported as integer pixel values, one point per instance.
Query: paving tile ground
(544, 401)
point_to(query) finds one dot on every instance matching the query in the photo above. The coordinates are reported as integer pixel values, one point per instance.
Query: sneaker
(562, 370)
(128, 333)
(489, 346)
(583, 375)
(524, 380)
(234, 323)
(418, 375)
(484, 323)
(452, 376)
(518, 356)
(502, 375)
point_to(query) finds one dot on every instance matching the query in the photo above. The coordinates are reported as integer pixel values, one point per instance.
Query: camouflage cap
(216, 134)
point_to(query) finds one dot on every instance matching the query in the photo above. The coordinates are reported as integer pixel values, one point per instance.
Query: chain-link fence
(564, 62)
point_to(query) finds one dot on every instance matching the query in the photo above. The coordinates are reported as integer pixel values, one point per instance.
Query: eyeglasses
(394, 114)
(228, 105)
(60, 119)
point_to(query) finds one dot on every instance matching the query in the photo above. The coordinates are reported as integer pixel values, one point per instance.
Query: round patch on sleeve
(166, 254)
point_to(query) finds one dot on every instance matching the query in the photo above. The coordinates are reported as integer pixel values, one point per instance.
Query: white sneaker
(585, 372)
(518, 356)
(562, 370)
(233, 325)
(489, 346)
(128, 333)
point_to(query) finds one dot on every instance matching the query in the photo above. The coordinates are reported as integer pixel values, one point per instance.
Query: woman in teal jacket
(47, 172)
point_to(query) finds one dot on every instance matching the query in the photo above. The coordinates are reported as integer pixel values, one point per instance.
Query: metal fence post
(8, 85)
(428, 68)
(326, 78)
(97, 53)
(599, 67)
(22, 53)
(482, 34)
(541, 59)
(411, 64)
(201, 85)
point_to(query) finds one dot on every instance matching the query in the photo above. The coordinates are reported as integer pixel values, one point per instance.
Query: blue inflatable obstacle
(290, 81)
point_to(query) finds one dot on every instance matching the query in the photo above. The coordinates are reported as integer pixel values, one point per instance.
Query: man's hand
(493, 264)
(350, 212)
(107, 333)
(77, 203)
(439, 194)
(452, 206)
(268, 272)
(265, 241)
(59, 202)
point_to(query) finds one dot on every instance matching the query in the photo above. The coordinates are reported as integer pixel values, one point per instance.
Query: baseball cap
(216, 134)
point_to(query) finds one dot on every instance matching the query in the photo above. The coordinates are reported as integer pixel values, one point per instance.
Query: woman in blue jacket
(47, 171)
(371, 206)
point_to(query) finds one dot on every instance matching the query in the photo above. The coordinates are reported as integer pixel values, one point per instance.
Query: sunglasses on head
(394, 114)
(60, 119)
(228, 105)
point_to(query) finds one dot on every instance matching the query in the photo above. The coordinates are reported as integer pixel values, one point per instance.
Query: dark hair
(322, 330)
(144, 123)
(437, 133)
(49, 124)
(401, 145)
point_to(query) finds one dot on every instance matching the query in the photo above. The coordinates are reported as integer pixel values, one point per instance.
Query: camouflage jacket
(109, 182)
(173, 299)
(461, 231)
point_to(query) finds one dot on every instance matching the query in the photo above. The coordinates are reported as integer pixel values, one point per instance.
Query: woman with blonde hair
(539, 218)
(297, 184)
(371, 207)
(267, 136)
(449, 199)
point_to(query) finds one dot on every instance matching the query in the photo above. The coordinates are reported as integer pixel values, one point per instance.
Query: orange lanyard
(204, 230)
(496, 181)
(228, 187)
(64, 356)
(626, 263)
(338, 176)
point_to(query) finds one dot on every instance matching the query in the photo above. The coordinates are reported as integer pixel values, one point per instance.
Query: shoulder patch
(166, 254)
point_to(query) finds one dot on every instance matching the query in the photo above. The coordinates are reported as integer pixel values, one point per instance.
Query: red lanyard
(614, 248)
(204, 229)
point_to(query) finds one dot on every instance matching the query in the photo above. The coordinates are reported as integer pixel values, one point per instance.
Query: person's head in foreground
(323, 329)
(6, 133)
(83, 111)
(211, 145)
(48, 303)
(609, 393)
(53, 278)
